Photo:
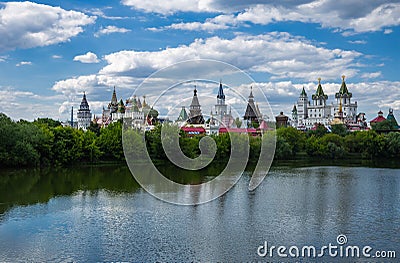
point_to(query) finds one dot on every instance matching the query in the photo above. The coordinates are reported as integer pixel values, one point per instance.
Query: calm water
(101, 214)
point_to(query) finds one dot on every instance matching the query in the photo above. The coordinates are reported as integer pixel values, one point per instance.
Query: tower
(72, 116)
(251, 115)
(294, 116)
(113, 105)
(302, 111)
(344, 97)
(84, 115)
(220, 107)
(195, 116)
(319, 98)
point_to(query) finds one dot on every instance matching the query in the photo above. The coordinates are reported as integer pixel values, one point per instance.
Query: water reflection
(104, 217)
(24, 187)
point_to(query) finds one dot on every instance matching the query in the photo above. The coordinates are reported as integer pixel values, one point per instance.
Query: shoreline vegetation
(44, 143)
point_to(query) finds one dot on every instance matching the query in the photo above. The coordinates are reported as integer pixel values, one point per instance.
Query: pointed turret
(250, 114)
(121, 107)
(220, 95)
(84, 115)
(195, 116)
(392, 119)
(320, 92)
(182, 115)
(343, 91)
(114, 97)
(113, 105)
(303, 92)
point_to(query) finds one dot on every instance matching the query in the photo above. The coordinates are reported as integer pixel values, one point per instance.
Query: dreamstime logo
(170, 89)
(339, 250)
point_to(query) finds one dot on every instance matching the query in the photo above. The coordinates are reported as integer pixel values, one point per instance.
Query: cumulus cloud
(171, 6)
(111, 29)
(371, 75)
(350, 17)
(27, 25)
(89, 57)
(24, 63)
(26, 104)
(278, 54)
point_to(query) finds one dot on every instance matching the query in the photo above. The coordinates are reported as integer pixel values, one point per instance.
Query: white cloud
(387, 31)
(3, 58)
(347, 17)
(100, 13)
(371, 75)
(171, 6)
(358, 42)
(111, 29)
(26, 104)
(24, 63)
(56, 56)
(89, 57)
(27, 25)
(211, 24)
(279, 54)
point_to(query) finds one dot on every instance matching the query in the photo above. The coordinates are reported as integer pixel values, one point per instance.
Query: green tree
(386, 125)
(293, 137)
(393, 144)
(339, 129)
(283, 149)
(48, 122)
(319, 131)
(238, 122)
(90, 150)
(110, 142)
(67, 147)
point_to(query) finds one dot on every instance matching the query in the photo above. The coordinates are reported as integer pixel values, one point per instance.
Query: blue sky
(52, 51)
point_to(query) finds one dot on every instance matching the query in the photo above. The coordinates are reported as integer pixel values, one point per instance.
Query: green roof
(320, 92)
(303, 92)
(183, 115)
(392, 119)
(343, 92)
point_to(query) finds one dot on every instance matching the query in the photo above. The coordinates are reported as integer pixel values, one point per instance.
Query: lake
(99, 213)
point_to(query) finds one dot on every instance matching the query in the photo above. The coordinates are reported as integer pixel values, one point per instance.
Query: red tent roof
(378, 119)
(263, 126)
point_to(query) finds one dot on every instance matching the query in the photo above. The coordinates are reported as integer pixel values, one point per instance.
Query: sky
(53, 51)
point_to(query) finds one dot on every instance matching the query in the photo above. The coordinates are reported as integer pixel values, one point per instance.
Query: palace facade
(307, 113)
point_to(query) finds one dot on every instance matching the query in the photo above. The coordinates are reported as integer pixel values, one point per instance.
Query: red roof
(263, 126)
(237, 130)
(378, 119)
(193, 129)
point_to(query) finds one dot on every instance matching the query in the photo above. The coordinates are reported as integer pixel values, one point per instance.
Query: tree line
(45, 142)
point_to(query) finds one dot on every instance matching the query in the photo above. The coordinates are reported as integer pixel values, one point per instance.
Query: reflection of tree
(24, 187)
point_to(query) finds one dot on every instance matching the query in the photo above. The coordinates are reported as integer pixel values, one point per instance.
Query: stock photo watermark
(340, 249)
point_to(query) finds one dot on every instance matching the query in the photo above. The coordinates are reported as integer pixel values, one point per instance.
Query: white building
(306, 113)
(140, 116)
(84, 115)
